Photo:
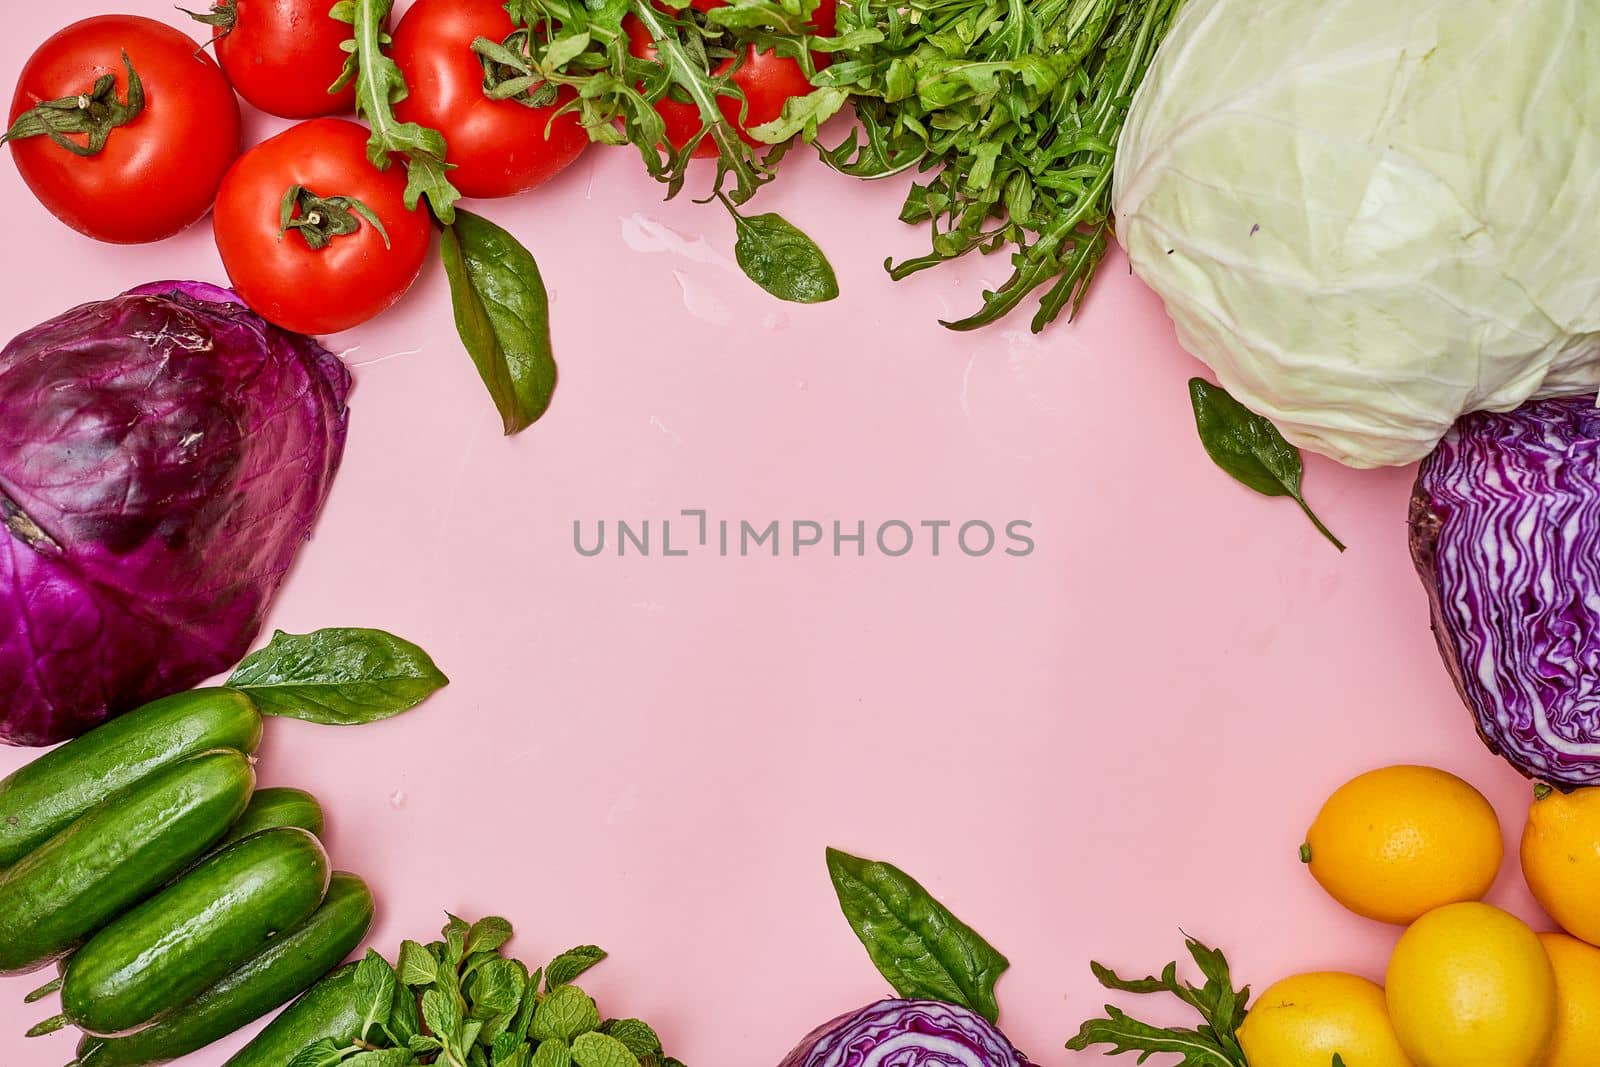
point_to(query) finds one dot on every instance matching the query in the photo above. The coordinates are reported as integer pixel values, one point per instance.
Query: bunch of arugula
(460, 1002)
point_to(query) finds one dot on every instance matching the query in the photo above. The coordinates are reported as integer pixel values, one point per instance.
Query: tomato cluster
(128, 132)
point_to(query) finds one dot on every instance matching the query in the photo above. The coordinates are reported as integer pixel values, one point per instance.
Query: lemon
(1470, 986)
(1395, 843)
(1577, 967)
(1561, 859)
(1303, 1021)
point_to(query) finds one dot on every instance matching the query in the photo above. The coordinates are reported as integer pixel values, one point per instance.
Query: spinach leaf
(1249, 448)
(338, 677)
(503, 316)
(917, 944)
(775, 255)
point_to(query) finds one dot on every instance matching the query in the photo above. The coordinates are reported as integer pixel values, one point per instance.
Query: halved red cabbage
(163, 455)
(1505, 533)
(907, 1033)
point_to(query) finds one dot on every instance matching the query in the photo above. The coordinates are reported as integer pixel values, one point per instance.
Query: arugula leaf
(338, 677)
(595, 1049)
(572, 963)
(1249, 448)
(1126, 1034)
(503, 316)
(917, 943)
(379, 86)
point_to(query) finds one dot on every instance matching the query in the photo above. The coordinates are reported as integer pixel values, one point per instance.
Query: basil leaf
(595, 1049)
(782, 260)
(1249, 448)
(923, 950)
(572, 963)
(338, 677)
(503, 317)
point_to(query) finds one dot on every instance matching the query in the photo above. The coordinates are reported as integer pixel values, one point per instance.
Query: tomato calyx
(509, 73)
(93, 115)
(223, 16)
(321, 219)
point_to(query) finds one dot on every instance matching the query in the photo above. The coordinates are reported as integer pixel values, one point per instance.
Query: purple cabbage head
(1505, 532)
(162, 456)
(907, 1033)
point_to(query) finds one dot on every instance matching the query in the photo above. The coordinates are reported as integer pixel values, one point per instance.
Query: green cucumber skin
(49, 794)
(273, 808)
(176, 945)
(286, 968)
(116, 856)
(328, 1010)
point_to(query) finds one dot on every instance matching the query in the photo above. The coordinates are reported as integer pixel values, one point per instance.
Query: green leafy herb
(1249, 448)
(782, 260)
(1221, 1007)
(375, 988)
(917, 944)
(595, 1049)
(503, 316)
(379, 86)
(572, 963)
(338, 677)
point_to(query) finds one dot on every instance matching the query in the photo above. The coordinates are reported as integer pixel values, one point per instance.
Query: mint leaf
(496, 988)
(488, 935)
(595, 1049)
(455, 939)
(637, 1035)
(417, 965)
(323, 1053)
(552, 1053)
(572, 963)
(918, 945)
(442, 1013)
(382, 1057)
(338, 677)
(564, 1014)
(374, 992)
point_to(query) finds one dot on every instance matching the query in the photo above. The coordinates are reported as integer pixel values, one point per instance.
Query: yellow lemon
(1561, 859)
(1470, 986)
(1395, 843)
(1303, 1021)
(1577, 967)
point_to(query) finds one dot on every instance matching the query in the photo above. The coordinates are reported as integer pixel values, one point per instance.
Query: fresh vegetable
(503, 315)
(1397, 842)
(1378, 267)
(338, 677)
(163, 455)
(281, 55)
(275, 808)
(327, 1012)
(46, 796)
(122, 129)
(116, 855)
(1249, 448)
(915, 1033)
(1306, 1020)
(457, 1001)
(1560, 856)
(1504, 519)
(924, 951)
(1471, 986)
(501, 144)
(163, 953)
(285, 968)
(1577, 971)
(314, 238)
(1211, 1043)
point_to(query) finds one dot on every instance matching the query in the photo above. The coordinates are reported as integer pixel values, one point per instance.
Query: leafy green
(338, 677)
(918, 945)
(572, 963)
(1221, 1007)
(1249, 448)
(782, 260)
(379, 86)
(503, 317)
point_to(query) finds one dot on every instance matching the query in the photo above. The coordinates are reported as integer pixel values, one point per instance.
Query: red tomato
(159, 171)
(499, 147)
(278, 272)
(282, 55)
(766, 79)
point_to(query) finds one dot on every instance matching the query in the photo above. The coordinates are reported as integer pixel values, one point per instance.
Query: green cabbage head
(1371, 216)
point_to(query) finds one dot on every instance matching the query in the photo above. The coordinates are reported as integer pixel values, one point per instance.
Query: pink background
(1079, 751)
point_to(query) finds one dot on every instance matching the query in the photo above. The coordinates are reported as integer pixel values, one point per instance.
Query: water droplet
(397, 799)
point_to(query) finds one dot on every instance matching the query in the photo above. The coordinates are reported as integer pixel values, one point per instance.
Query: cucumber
(287, 967)
(273, 808)
(115, 856)
(328, 1010)
(180, 942)
(46, 796)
